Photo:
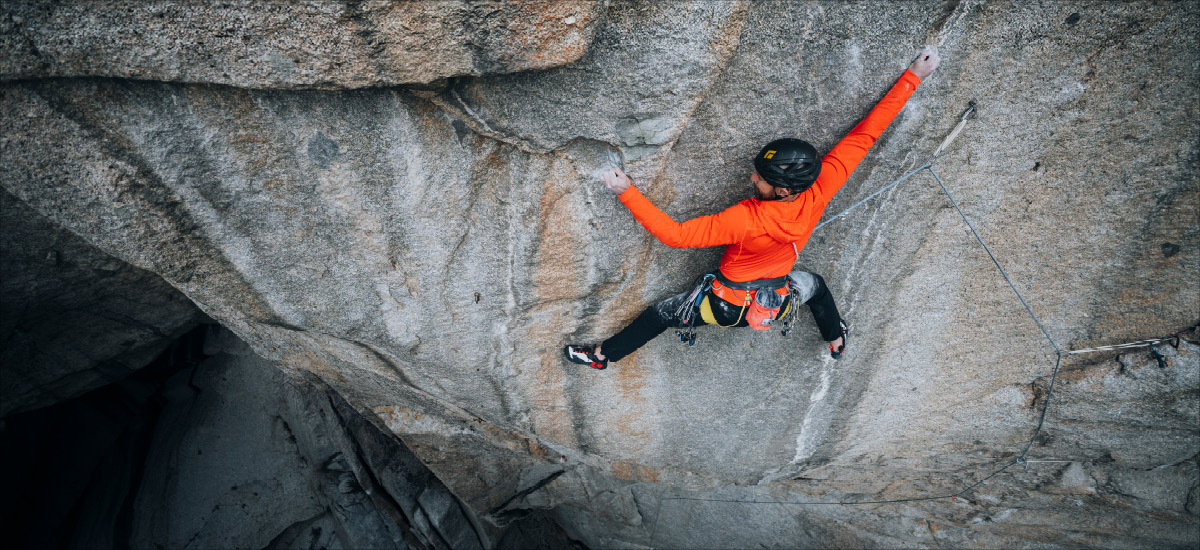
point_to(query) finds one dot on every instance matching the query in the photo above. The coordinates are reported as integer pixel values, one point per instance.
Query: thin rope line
(1045, 407)
(928, 163)
(993, 257)
(871, 196)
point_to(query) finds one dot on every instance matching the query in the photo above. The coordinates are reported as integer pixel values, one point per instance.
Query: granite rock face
(426, 251)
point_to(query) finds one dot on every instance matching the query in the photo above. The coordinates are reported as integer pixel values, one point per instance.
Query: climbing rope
(927, 166)
(993, 257)
(1059, 352)
(871, 196)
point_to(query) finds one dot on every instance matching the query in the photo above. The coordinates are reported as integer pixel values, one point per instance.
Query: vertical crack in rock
(952, 13)
(525, 492)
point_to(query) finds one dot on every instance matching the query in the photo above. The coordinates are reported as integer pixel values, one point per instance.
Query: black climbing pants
(661, 316)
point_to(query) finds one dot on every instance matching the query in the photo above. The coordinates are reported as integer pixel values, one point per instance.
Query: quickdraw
(791, 313)
(686, 311)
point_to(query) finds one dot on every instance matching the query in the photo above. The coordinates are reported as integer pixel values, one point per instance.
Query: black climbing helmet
(788, 162)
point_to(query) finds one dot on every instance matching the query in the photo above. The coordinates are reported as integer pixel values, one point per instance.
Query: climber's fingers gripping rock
(926, 62)
(615, 180)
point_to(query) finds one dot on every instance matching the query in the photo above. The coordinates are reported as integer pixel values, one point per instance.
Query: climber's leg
(652, 322)
(813, 291)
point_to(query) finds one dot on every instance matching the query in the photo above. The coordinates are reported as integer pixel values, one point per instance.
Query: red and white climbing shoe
(585, 355)
(837, 353)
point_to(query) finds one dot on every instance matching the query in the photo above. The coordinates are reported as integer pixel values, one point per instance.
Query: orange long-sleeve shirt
(759, 235)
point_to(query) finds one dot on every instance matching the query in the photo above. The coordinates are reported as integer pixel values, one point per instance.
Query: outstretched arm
(849, 152)
(724, 228)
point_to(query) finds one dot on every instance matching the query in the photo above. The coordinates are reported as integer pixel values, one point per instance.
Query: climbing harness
(758, 306)
(743, 292)
(758, 309)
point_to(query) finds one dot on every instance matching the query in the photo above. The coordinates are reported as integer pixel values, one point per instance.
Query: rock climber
(762, 236)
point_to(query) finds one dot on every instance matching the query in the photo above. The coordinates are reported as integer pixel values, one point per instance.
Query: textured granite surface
(428, 250)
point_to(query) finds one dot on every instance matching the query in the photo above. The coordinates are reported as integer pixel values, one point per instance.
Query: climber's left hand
(926, 62)
(615, 180)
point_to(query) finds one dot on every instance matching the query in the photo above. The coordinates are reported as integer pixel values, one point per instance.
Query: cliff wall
(424, 237)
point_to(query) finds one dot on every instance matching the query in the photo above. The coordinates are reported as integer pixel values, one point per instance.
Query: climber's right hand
(926, 62)
(615, 180)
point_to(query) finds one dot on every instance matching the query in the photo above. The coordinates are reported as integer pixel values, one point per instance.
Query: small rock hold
(1169, 249)
(570, 20)
(1073, 18)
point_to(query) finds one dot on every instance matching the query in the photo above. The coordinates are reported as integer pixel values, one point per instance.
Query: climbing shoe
(837, 353)
(585, 355)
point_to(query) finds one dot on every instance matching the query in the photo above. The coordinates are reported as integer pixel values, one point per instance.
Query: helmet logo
(769, 154)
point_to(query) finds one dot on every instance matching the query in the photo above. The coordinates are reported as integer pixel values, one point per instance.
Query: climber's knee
(806, 284)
